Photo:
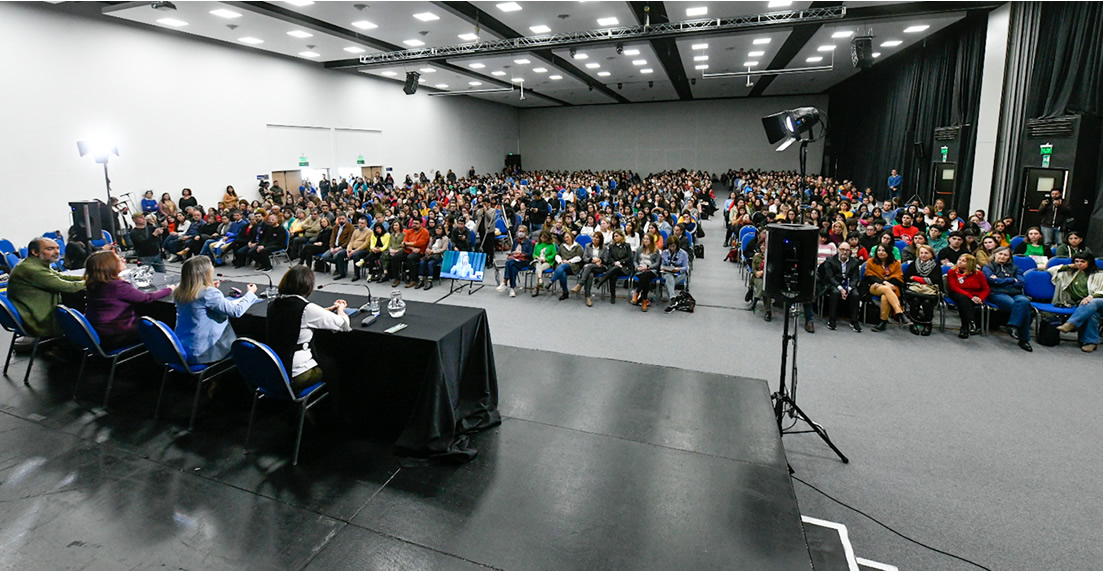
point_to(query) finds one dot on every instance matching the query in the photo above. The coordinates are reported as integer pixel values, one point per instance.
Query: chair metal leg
(34, 353)
(164, 379)
(252, 413)
(11, 349)
(195, 401)
(299, 436)
(80, 375)
(110, 380)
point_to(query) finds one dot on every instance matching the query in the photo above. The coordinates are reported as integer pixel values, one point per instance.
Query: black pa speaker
(861, 52)
(86, 217)
(790, 271)
(411, 82)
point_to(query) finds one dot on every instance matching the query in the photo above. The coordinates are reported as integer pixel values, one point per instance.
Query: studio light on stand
(792, 125)
(101, 151)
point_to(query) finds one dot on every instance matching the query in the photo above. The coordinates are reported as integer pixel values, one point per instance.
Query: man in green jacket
(35, 288)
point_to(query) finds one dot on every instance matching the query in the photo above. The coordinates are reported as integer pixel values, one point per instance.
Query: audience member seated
(884, 240)
(404, 265)
(758, 278)
(1034, 246)
(111, 300)
(309, 228)
(987, 249)
(394, 248)
(922, 290)
(675, 270)
(270, 238)
(1079, 285)
(1073, 245)
(885, 279)
(936, 238)
(429, 263)
(356, 250)
(203, 313)
(968, 290)
(841, 277)
(319, 246)
(618, 260)
(905, 230)
(246, 240)
(1006, 287)
(291, 323)
(648, 260)
(519, 258)
(911, 253)
(593, 266)
(949, 255)
(338, 241)
(543, 259)
(35, 288)
(568, 261)
(378, 243)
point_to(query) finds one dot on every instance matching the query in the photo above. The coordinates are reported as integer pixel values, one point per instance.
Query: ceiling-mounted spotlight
(693, 81)
(164, 6)
(620, 86)
(591, 87)
(573, 52)
(651, 84)
(620, 49)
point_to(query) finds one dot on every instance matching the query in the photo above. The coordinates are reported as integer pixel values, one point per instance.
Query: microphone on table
(269, 293)
(366, 308)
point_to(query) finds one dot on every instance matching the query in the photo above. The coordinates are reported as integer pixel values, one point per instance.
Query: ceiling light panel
(607, 21)
(631, 52)
(469, 37)
(300, 3)
(541, 29)
(891, 43)
(224, 13)
(427, 16)
(700, 46)
(647, 70)
(916, 29)
(476, 65)
(364, 25)
(413, 43)
(509, 7)
(814, 59)
(825, 49)
(300, 34)
(639, 62)
(604, 74)
(700, 58)
(555, 77)
(761, 41)
(702, 66)
(354, 50)
(842, 34)
(309, 54)
(173, 22)
(593, 65)
(756, 54)
(780, 3)
(497, 73)
(522, 61)
(697, 12)
(750, 63)
(251, 40)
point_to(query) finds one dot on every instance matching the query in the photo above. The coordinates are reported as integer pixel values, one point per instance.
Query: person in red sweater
(968, 289)
(905, 231)
(405, 263)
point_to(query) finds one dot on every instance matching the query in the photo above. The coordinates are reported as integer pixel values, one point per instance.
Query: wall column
(991, 99)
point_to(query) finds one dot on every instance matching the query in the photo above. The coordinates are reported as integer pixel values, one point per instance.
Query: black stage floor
(598, 464)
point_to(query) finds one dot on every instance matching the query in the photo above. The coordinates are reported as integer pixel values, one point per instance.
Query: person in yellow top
(357, 249)
(378, 244)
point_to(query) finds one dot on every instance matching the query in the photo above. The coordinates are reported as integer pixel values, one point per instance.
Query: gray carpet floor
(974, 447)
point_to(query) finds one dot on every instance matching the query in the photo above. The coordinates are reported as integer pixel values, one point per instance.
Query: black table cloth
(428, 386)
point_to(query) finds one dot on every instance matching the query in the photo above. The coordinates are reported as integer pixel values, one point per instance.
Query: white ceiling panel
(509, 70)
(561, 17)
(728, 53)
(396, 21)
(622, 68)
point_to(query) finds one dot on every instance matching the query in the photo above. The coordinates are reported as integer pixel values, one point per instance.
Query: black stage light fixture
(620, 86)
(410, 87)
(620, 49)
(651, 84)
(861, 52)
(572, 52)
(790, 124)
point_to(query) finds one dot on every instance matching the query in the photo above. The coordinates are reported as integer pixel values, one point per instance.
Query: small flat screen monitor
(463, 265)
(947, 174)
(1045, 183)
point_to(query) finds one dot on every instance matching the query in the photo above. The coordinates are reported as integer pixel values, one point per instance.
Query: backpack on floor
(1048, 334)
(683, 301)
(699, 251)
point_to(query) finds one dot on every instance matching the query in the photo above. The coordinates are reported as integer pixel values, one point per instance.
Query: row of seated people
(925, 283)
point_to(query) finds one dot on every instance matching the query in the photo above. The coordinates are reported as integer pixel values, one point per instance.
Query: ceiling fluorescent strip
(470, 91)
(786, 71)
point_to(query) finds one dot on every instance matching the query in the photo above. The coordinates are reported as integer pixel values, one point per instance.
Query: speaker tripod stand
(785, 399)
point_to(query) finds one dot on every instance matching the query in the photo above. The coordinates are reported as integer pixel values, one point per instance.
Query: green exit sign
(303, 162)
(360, 160)
(1047, 149)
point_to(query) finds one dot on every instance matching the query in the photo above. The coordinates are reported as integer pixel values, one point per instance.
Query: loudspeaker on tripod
(790, 271)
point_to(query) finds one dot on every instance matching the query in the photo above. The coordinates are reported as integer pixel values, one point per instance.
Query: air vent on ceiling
(1054, 127)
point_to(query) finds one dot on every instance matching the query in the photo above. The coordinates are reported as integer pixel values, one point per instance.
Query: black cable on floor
(878, 522)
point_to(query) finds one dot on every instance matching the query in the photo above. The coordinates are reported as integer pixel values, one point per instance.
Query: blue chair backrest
(901, 245)
(9, 316)
(261, 368)
(1039, 285)
(1099, 263)
(745, 241)
(471, 238)
(945, 270)
(386, 226)
(12, 260)
(1025, 263)
(1016, 241)
(163, 344)
(107, 239)
(501, 225)
(6, 247)
(746, 230)
(78, 329)
(584, 241)
(664, 234)
(1058, 262)
(904, 267)
(52, 235)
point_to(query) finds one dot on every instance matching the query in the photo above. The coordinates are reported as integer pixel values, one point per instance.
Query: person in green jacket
(35, 288)
(543, 255)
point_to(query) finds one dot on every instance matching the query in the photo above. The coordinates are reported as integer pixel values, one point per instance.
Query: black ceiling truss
(475, 16)
(665, 48)
(290, 16)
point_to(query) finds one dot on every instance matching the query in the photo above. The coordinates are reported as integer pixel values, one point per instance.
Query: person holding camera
(1054, 213)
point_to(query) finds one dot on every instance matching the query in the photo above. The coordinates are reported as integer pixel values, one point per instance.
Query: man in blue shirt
(895, 180)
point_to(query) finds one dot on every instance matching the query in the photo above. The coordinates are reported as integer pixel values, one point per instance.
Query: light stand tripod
(785, 399)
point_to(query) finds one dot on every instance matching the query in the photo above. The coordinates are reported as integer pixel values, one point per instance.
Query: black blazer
(832, 273)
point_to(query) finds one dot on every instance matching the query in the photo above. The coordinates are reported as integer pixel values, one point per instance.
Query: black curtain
(878, 114)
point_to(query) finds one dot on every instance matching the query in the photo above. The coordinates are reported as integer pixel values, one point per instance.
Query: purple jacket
(110, 307)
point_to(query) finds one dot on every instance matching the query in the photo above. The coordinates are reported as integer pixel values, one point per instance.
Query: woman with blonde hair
(111, 300)
(968, 290)
(203, 313)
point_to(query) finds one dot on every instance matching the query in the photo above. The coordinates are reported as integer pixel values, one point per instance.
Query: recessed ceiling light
(413, 43)
(300, 34)
(555, 77)
(422, 80)
(756, 54)
(426, 16)
(843, 34)
(224, 13)
(700, 46)
(700, 11)
(646, 70)
(607, 21)
(309, 54)
(700, 58)
(761, 41)
(474, 83)
(498, 73)
(604, 73)
(825, 49)
(639, 62)
(631, 52)
(509, 6)
(364, 25)
(916, 29)
(428, 70)
(540, 69)
(250, 40)
(581, 56)
(518, 80)
(172, 22)
(891, 43)
(541, 29)
(476, 65)
(702, 66)
(522, 61)
(876, 54)
(469, 37)
(814, 59)
(300, 2)
(441, 86)
(780, 3)
(593, 65)
(750, 63)
(388, 73)
(354, 50)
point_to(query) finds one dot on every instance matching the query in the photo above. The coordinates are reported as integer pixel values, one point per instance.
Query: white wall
(650, 137)
(188, 113)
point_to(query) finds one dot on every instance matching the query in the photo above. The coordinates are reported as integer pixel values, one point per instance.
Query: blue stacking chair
(1058, 262)
(504, 237)
(1040, 289)
(11, 320)
(82, 334)
(1025, 263)
(12, 260)
(901, 245)
(263, 370)
(107, 239)
(664, 234)
(6, 247)
(1015, 241)
(282, 253)
(748, 229)
(584, 241)
(165, 347)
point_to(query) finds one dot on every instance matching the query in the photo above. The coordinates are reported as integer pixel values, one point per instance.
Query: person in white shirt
(292, 321)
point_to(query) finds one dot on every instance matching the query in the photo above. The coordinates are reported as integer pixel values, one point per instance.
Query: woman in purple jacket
(111, 300)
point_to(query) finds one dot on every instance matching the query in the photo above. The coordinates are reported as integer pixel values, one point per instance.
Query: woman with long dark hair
(883, 278)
